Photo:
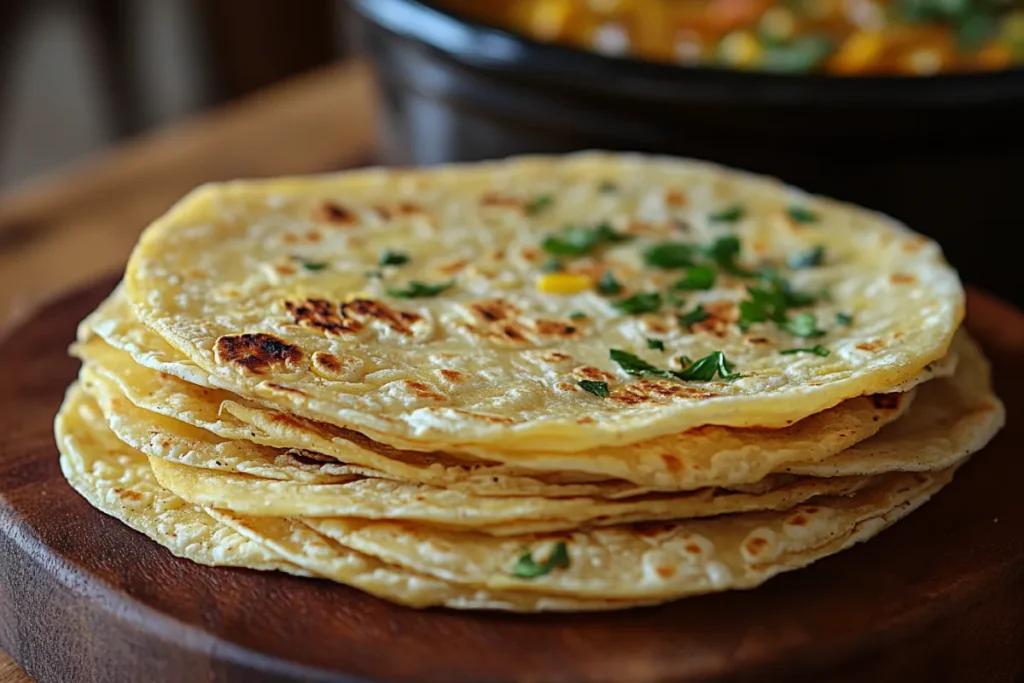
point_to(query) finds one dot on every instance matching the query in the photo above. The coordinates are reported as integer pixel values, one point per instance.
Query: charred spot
(555, 328)
(902, 279)
(127, 494)
(368, 309)
(726, 311)
(255, 352)
(914, 244)
(756, 341)
(323, 315)
(886, 401)
(424, 390)
(284, 389)
(646, 391)
(555, 357)
(812, 509)
(285, 419)
(491, 310)
(453, 376)
(565, 386)
(798, 520)
(672, 463)
(512, 332)
(332, 212)
(589, 372)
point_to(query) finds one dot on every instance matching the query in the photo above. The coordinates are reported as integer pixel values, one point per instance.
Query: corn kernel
(858, 53)
(563, 283)
(740, 48)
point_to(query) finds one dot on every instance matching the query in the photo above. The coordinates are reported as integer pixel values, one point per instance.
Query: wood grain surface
(939, 597)
(71, 226)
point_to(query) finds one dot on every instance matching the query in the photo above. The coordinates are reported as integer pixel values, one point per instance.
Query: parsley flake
(607, 186)
(634, 365)
(670, 255)
(802, 215)
(656, 344)
(697, 277)
(599, 389)
(817, 349)
(577, 315)
(697, 315)
(843, 318)
(311, 265)
(415, 290)
(393, 258)
(807, 259)
(608, 285)
(705, 369)
(528, 568)
(803, 325)
(641, 302)
(577, 241)
(730, 214)
(770, 300)
(538, 204)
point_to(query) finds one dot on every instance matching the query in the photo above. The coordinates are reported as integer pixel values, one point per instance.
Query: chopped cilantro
(596, 388)
(730, 214)
(607, 186)
(803, 325)
(693, 317)
(807, 259)
(843, 318)
(577, 241)
(770, 300)
(414, 290)
(705, 369)
(393, 258)
(641, 302)
(817, 349)
(577, 315)
(802, 215)
(608, 285)
(528, 568)
(311, 265)
(697, 277)
(723, 252)
(670, 255)
(634, 365)
(673, 300)
(656, 344)
(538, 204)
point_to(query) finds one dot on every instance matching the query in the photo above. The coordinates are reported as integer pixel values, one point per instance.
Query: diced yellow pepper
(563, 283)
(858, 53)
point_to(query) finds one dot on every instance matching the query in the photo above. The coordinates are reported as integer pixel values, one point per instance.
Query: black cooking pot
(944, 153)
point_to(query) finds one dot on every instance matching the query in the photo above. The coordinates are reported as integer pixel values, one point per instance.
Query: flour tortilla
(117, 481)
(225, 278)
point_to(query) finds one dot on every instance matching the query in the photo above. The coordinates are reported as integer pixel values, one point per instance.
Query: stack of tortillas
(574, 383)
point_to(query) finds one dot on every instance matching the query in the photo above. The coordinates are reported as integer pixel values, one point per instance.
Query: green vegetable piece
(693, 317)
(538, 204)
(596, 388)
(705, 369)
(608, 285)
(817, 349)
(641, 302)
(807, 259)
(656, 344)
(670, 255)
(803, 325)
(697, 277)
(730, 214)
(577, 315)
(528, 568)
(802, 215)
(634, 365)
(393, 258)
(843, 318)
(416, 290)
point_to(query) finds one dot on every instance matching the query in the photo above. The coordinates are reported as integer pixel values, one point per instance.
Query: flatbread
(272, 288)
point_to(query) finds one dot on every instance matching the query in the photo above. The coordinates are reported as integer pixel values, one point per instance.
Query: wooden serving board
(939, 597)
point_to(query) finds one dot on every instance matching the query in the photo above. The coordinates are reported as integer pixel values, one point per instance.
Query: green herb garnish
(553, 265)
(311, 265)
(528, 568)
(730, 214)
(770, 300)
(608, 285)
(373, 274)
(685, 362)
(607, 186)
(577, 315)
(693, 317)
(577, 241)
(723, 252)
(802, 215)
(641, 302)
(843, 318)
(803, 325)
(705, 369)
(817, 349)
(656, 344)
(807, 259)
(634, 365)
(595, 388)
(670, 255)
(538, 204)
(415, 290)
(393, 258)
(697, 277)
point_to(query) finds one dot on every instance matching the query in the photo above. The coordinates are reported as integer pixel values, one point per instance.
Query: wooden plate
(939, 597)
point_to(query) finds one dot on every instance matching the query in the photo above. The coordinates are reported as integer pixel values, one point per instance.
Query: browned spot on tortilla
(593, 374)
(255, 352)
(647, 391)
(484, 417)
(367, 310)
(555, 357)
(798, 520)
(314, 236)
(453, 376)
(309, 457)
(656, 325)
(285, 270)
(871, 345)
(692, 548)
(453, 267)
(755, 545)
(586, 420)
(902, 279)
(289, 238)
(408, 208)
(491, 310)
(530, 254)
(423, 390)
(812, 509)
(635, 227)
(898, 335)
(334, 213)
(498, 255)
(287, 390)
(323, 315)
(756, 341)
(666, 571)
(286, 419)
(331, 364)
(127, 494)
(197, 273)
(555, 328)
(675, 198)
(726, 311)
(914, 244)
(672, 463)
(565, 386)
(495, 199)
(383, 211)
(887, 401)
